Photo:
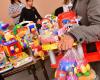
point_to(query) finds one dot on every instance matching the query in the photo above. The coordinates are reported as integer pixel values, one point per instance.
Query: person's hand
(66, 42)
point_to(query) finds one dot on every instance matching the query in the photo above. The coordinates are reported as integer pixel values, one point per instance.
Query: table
(30, 66)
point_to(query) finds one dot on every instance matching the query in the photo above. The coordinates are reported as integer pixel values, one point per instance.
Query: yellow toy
(36, 48)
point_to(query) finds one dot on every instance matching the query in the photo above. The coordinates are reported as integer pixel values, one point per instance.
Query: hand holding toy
(66, 42)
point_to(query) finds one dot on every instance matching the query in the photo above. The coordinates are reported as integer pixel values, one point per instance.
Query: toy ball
(33, 30)
(17, 49)
(83, 69)
(88, 67)
(75, 70)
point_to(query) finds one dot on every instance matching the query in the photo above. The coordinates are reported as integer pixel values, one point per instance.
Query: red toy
(67, 16)
(92, 51)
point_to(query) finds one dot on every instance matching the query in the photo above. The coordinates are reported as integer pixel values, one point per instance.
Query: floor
(26, 76)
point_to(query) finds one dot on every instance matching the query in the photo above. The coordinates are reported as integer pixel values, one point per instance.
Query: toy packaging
(26, 33)
(5, 65)
(49, 38)
(15, 54)
(73, 66)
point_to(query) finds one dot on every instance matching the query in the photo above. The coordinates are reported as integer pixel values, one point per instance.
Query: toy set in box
(5, 65)
(15, 54)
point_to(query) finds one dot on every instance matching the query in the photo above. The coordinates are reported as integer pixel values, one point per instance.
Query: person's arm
(16, 14)
(22, 15)
(84, 33)
(13, 13)
(37, 14)
(92, 32)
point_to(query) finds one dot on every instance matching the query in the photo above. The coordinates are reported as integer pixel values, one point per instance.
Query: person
(30, 13)
(89, 30)
(15, 9)
(67, 5)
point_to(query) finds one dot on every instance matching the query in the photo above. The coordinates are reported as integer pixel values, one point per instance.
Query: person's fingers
(63, 46)
(60, 45)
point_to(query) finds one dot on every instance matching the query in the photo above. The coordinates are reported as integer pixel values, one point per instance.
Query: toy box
(14, 52)
(5, 65)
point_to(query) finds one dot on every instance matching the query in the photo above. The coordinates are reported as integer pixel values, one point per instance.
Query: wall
(43, 6)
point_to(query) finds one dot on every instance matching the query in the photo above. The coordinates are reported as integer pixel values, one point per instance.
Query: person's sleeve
(89, 33)
(37, 14)
(11, 10)
(22, 15)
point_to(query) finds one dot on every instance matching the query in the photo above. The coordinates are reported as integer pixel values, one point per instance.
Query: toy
(5, 65)
(91, 77)
(3, 29)
(2, 39)
(20, 32)
(31, 30)
(67, 21)
(91, 51)
(74, 64)
(3, 26)
(72, 76)
(60, 75)
(53, 19)
(37, 49)
(8, 35)
(48, 39)
(31, 37)
(15, 54)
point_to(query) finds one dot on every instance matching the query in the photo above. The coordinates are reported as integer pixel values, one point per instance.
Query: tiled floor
(26, 76)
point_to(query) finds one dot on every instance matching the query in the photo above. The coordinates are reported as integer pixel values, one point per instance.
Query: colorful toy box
(5, 65)
(14, 52)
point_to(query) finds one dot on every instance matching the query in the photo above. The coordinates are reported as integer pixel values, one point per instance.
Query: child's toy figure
(36, 48)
